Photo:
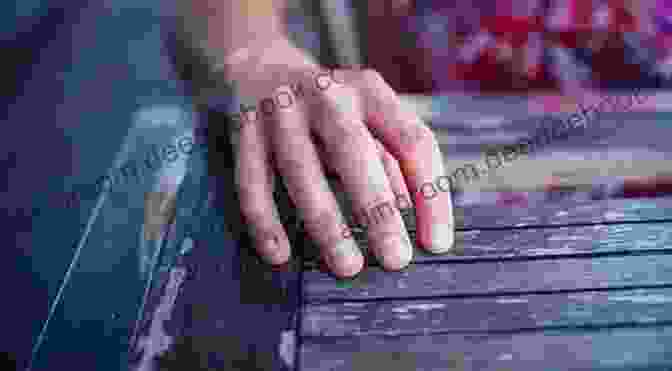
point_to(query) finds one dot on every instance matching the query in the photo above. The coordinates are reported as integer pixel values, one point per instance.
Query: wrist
(254, 71)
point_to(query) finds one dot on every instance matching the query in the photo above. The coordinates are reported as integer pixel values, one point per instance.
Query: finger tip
(397, 255)
(441, 241)
(347, 262)
(351, 270)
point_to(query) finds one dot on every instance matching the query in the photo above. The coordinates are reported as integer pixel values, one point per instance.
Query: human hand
(309, 121)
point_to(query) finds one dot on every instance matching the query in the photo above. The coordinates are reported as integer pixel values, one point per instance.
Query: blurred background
(484, 73)
(523, 46)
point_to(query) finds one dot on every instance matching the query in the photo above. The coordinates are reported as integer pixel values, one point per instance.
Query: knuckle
(337, 103)
(342, 108)
(252, 212)
(338, 75)
(344, 98)
(372, 76)
(319, 221)
(350, 135)
(283, 130)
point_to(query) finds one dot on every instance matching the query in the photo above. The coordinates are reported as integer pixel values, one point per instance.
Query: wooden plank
(493, 277)
(539, 242)
(566, 213)
(613, 349)
(561, 241)
(500, 313)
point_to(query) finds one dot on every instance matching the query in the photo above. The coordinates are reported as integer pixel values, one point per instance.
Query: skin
(364, 135)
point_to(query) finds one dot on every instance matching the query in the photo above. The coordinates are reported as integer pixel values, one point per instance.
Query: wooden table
(555, 287)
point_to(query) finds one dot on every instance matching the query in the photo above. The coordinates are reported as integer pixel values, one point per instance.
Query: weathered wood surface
(561, 241)
(562, 228)
(604, 349)
(505, 313)
(560, 286)
(489, 278)
(594, 240)
(567, 213)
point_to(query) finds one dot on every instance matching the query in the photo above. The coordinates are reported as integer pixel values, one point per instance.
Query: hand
(350, 122)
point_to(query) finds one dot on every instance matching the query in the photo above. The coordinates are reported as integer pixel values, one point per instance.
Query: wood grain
(566, 213)
(489, 314)
(604, 349)
(557, 286)
(562, 228)
(495, 277)
(482, 245)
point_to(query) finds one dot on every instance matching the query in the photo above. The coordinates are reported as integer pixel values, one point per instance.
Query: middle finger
(353, 152)
(299, 163)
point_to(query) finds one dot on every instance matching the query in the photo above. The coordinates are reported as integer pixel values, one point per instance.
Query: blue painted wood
(645, 348)
(498, 277)
(93, 77)
(481, 315)
(527, 243)
(213, 304)
(489, 231)
(564, 286)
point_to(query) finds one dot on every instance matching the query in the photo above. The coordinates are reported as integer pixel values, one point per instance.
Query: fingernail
(344, 258)
(394, 252)
(443, 238)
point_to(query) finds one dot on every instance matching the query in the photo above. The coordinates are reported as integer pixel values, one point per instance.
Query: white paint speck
(569, 237)
(400, 310)
(511, 300)
(505, 357)
(428, 306)
(286, 347)
(157, 341)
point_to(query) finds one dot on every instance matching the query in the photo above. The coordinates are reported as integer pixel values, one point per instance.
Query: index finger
(413, 144)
